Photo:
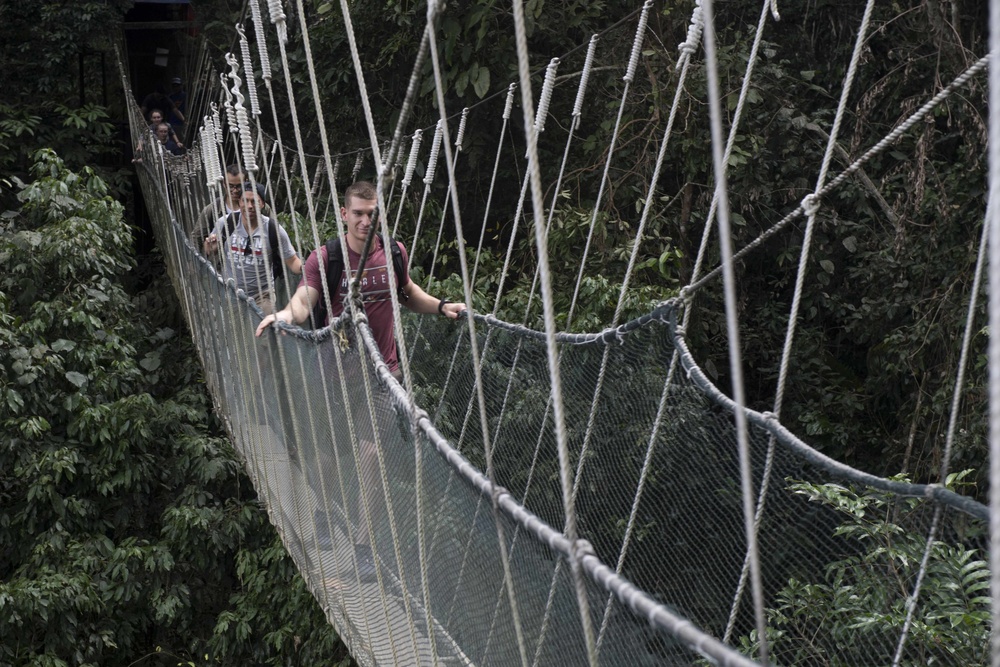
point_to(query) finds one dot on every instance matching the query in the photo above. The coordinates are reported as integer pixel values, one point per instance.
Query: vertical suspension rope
(432, 161)
(527, 109)
(993, 349)
(411, 165)
(956, 400)
(508, 105)
(732, 327)
(811, 206)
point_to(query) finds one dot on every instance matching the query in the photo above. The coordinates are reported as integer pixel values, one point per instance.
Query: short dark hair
(360, 189)
(260, 190)
(234, 170)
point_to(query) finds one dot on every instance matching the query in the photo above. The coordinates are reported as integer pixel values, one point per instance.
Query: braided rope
(248, 70)
(993, 349)
(810, 204)
(508, 106)
(570, 529)
(411, 165)
(732, 325)
(240, 113)
(474, 346)
(258, 26)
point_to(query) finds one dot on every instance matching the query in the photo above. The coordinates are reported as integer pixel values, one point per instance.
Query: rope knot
(690, 44)
(582, 548)
(810, 204)
(931, 488)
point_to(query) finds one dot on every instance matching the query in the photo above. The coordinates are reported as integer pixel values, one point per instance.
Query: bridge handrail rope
(327, 424)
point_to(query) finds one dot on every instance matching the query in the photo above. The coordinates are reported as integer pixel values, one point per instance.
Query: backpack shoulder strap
(232, 220)
(334, 267)
(272, 240)
(397, 264)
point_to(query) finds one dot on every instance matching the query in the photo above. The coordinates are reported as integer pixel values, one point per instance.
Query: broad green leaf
(78, 379)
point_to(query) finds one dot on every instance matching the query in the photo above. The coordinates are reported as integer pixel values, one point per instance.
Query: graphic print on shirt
(238, 250)
(374, 284)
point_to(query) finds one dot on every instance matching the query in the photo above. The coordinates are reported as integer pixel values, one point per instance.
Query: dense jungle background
(130, 534)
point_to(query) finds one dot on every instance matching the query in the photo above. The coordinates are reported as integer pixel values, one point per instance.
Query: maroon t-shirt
(375, 291)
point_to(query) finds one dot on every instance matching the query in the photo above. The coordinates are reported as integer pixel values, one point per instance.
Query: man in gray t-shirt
(247, 254)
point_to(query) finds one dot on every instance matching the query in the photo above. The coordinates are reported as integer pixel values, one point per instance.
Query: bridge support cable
(732, 327)
(993, 352)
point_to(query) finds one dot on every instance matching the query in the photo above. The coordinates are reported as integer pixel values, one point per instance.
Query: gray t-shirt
(244, 256)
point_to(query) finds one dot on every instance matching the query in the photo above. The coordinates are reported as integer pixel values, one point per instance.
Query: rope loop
(411, 163)
(258, 27)
(546, 96)
(690, 45)
(588, 65)
(510, 101)
(461, 129)
(278, 19)
(640, 34)
(432, 160)
(810, 204)
(931, 489)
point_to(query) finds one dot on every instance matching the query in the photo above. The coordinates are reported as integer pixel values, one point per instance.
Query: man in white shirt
(252, 247)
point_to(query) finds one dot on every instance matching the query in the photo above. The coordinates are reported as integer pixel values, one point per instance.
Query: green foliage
(127, 524)
(854, 615)
(57, 59)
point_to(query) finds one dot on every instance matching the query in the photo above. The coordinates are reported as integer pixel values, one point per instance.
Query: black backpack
(335, 268)
(272, 242)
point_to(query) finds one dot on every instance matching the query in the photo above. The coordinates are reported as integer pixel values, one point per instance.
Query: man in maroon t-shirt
(359, 205)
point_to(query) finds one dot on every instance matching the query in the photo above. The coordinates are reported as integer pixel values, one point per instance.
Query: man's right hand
(271, 319)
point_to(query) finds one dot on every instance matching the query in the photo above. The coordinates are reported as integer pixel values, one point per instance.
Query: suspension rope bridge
(522, 496)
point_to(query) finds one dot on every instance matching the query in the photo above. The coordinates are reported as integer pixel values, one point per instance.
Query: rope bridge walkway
(522, 496)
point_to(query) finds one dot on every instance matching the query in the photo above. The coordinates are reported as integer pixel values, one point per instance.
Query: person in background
(230, 203)
(155, 118)
(158, 99)
(163, 136)
(247, 252)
